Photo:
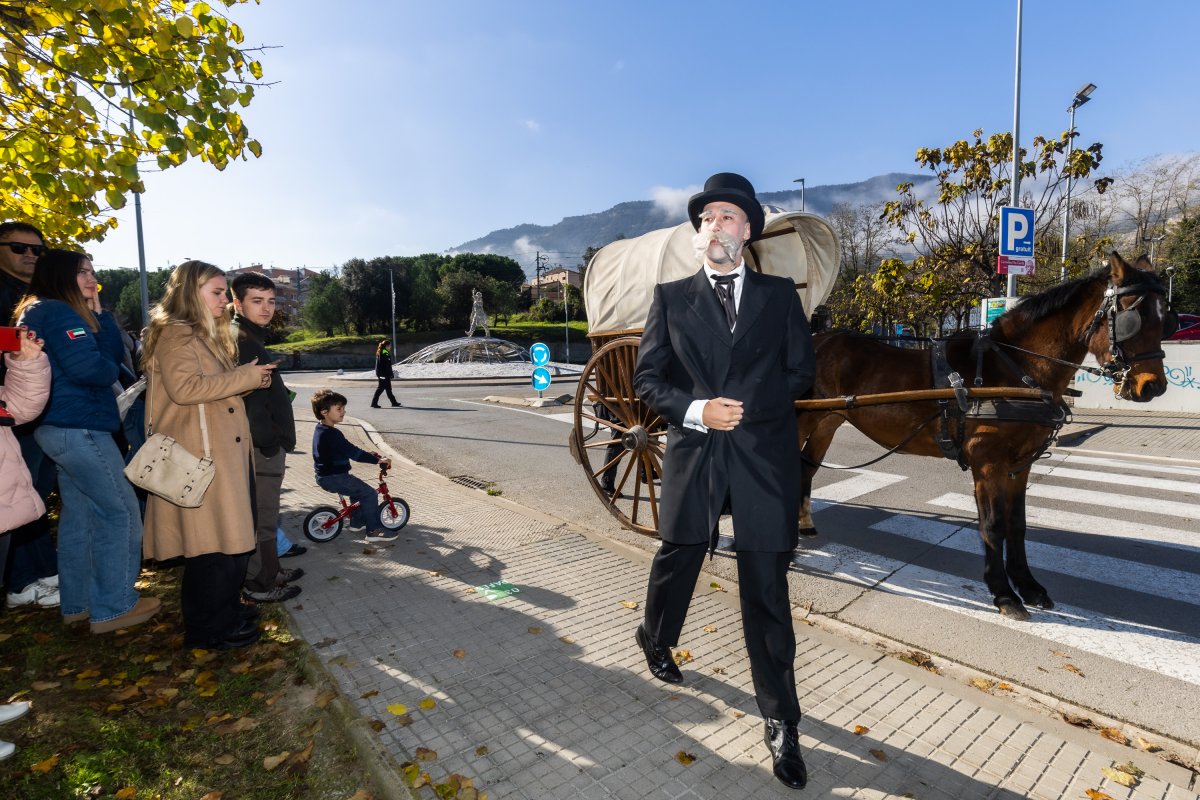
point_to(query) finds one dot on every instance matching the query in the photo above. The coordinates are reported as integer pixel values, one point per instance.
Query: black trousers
(210, 597)
(385, 385)
(766, 617)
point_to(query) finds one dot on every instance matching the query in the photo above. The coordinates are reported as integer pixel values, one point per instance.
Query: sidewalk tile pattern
(544, 694)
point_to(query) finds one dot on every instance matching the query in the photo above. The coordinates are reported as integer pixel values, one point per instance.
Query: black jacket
(688, 353)
(383, 364)
(272, 423)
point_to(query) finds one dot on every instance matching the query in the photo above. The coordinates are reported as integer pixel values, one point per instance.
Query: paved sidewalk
(544, 694)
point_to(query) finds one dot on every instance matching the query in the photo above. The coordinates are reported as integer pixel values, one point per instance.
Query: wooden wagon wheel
(618, 440)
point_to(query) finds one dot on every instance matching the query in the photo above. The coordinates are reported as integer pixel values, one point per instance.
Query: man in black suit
(723, 356)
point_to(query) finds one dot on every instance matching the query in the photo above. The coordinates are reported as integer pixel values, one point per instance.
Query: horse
(1120, 315)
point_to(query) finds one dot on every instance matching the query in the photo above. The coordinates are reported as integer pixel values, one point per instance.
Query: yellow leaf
(687, 759)
(859, 730)
(630, 604)
(534, 629)
(47, 765)
(717, 586)
(482, 750)
(683, 656)
(982, 684)
(185, 27)
(1073, 668)
(89, 673)
(126, 793)
(271, 762)
(425, 754)
(225, 759)
(1123, 778)
(427, 704)
(1096, 794)
(710, 628)
(398, 709)
(1004, 687)
(324, 697)
(460, 653)
(1145, 744)
(1114, 735)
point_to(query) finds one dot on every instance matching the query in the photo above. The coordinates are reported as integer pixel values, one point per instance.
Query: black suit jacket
(687, 353)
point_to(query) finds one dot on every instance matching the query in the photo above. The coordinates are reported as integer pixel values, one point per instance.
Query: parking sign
(1016, 231)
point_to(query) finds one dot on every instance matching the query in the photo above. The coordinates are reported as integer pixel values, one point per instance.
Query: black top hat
(731, 188)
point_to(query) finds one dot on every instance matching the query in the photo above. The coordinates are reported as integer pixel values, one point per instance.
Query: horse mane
(1036, 307)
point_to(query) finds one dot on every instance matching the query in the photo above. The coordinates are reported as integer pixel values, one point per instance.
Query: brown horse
(1120, 315)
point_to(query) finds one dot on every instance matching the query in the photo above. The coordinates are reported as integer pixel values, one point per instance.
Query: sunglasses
(20, 248)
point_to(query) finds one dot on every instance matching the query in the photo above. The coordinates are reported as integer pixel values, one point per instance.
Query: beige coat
(25, 391)
(184, 374)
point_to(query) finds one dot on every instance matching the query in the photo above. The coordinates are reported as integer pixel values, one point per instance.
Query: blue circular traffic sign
(540, 354)
(541, 378)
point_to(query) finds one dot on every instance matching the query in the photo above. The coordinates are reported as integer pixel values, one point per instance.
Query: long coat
(688, 353)
(25, 391)
(183, 375)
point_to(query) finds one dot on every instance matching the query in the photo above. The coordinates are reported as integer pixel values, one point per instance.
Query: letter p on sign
(1016, 231)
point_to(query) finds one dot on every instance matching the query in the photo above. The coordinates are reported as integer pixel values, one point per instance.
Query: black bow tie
(724, 289)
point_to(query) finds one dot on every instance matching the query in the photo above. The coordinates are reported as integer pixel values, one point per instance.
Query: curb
(1077, 431)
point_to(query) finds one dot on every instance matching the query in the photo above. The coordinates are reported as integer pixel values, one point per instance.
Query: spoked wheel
(393, 521)
(618, 440)
(320, 525)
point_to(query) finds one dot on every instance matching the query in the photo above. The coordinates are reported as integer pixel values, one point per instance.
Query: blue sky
(399, 128)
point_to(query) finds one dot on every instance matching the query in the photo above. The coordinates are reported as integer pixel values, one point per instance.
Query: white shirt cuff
(694, 418)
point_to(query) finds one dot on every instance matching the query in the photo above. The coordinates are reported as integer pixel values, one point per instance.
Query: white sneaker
(51, 581)
(7, 749)
(39, 593)
(11, 711)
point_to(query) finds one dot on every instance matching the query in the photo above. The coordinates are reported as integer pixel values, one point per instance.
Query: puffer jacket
(26, 387)
(84, 365)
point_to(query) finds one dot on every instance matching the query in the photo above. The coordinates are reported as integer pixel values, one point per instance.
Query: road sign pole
(1016, 135)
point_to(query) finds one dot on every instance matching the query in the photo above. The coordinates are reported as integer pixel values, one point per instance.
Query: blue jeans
(100, 528)
(282, 542)
(359, 492)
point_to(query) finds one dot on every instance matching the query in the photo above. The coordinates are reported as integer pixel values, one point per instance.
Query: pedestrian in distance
(383, 372)
(100, 527)
(194, 380)
(273, 431)
(332, 454)
(724, 354)
(31, 574)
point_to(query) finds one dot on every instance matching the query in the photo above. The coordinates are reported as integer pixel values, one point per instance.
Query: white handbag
(164, 467)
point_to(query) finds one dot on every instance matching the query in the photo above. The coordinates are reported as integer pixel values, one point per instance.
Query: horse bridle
(1125, 323)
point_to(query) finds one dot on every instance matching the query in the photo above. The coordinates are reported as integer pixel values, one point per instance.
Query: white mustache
(701, 241)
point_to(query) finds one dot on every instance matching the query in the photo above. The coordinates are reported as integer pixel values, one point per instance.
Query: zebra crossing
(1139, 518)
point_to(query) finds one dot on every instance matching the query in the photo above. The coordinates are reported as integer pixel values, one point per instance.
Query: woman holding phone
(100, 527)
(193, 381)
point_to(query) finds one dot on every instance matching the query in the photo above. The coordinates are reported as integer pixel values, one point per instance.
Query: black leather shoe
(246, 633)
(249, 612)
(784, 742)
(662, 665)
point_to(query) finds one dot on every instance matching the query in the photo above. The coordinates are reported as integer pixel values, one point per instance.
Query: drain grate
(471, 483)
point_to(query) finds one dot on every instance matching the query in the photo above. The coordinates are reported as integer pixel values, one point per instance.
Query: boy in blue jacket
(332, 454)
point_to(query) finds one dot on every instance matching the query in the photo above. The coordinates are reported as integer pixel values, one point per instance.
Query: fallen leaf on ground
(398, 709)
(683, 656)
(425, 754)
(1004, 687)
(1096, 794)
(567, 639)
(427, 704)
(1132, 769)
(324, 697)
(1073, 668)
(370, 551)
(1119, 776)
(368, 695)
(879, 754)
(982, 684)
(4, 637)
(88, 673)
(434, 573)
(630, 604)
(687, 759)
(1114, 735)
(304, 755)
(240, 725)
(313, 728)
(717, 586)
(710, 628)
(733, 712)
(460, 653)
(1059, 653)
(1077, 721)
(126, 793)
(534, 629)
(328, 640)
(213, 795)
(271, 762)
(404, 720)
(482, 750)
(718, 670)
(225, 760)
(47, 765)
(859, 730)
(376, 725)
(44, 686)
(362, 794)
(1148, 746)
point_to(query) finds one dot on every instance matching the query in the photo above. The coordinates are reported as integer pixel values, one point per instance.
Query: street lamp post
(801, 182)
(1015, 200)
(1081, 97)
(1153, 240)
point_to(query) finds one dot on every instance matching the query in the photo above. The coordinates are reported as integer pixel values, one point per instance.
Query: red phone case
(10, 339)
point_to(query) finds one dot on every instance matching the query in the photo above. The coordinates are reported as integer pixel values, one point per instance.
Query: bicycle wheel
(322, 524)
(393, 522)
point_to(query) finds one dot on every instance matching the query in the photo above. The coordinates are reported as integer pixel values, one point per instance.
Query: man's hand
(722, 414)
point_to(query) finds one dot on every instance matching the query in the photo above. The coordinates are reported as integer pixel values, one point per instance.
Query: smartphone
(10, 339)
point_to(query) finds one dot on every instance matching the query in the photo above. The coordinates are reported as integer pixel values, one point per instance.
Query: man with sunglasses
(31, 573)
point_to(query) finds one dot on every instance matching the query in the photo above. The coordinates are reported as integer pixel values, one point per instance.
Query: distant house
(291, 285)
(550, 284)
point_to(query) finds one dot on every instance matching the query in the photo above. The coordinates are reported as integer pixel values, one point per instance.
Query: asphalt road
(1114, 540)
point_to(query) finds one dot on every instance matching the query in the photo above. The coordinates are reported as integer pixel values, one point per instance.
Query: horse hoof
(808, 533)
(1013, 610)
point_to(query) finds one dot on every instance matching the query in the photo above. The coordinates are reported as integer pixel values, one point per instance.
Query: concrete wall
(1182, 366)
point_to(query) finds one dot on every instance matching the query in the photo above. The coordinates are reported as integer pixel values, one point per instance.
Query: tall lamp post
(1081, 97)
(801, 182)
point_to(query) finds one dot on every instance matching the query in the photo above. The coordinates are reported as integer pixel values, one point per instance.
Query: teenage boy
(332, 454)
(273, 430)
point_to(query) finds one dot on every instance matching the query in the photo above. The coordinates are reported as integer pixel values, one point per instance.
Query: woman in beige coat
(190, 360)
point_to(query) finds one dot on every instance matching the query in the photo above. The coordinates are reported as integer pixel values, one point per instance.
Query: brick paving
(544, 694)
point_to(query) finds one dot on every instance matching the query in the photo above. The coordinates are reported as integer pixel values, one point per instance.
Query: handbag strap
(150, 418)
